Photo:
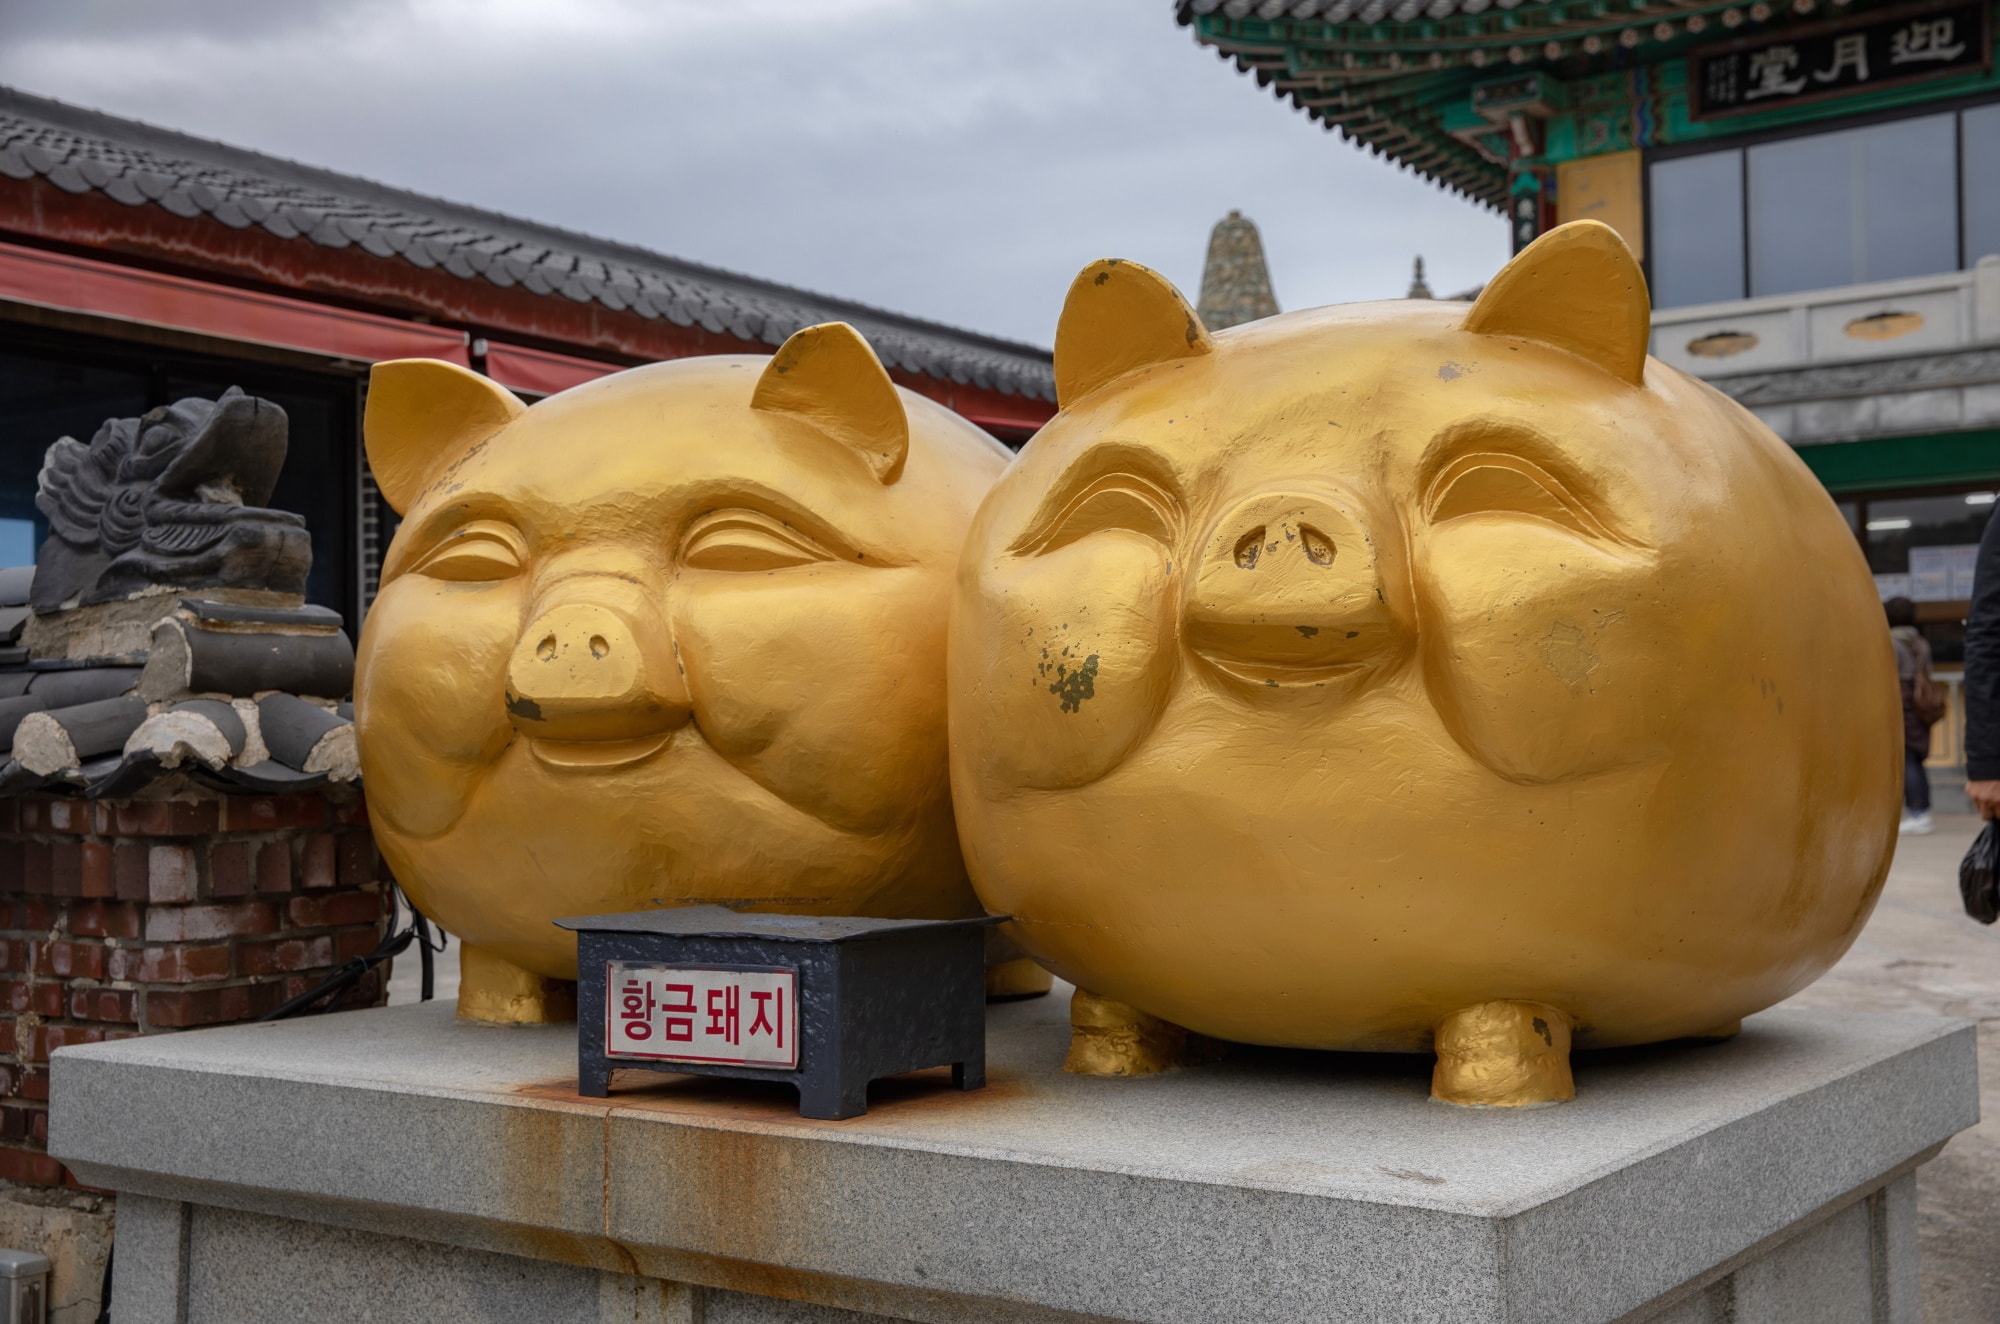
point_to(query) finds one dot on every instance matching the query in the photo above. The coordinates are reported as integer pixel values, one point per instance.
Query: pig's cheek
(429, 696)
(824, 686)
(1070, 657)
(745, 656)
(1548, 658)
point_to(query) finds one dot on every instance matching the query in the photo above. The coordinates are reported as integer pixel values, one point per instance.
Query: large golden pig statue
(1402, 677)
(673, 637)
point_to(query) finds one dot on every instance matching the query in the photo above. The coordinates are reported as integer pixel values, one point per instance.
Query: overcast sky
(955, 159)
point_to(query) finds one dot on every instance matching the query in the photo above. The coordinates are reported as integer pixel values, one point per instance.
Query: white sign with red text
(663, 1013)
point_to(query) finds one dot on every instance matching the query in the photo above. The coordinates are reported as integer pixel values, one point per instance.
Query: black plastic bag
(1979, 875)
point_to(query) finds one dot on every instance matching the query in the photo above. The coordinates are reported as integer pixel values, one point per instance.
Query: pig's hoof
(1113, 1039)
(1503, 1055)
(498, 992)
(1010, 981)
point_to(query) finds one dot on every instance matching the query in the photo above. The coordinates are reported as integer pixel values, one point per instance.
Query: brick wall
(121, 918)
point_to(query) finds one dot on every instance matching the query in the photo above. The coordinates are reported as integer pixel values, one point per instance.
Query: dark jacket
(1982, 661)
(1913, 659)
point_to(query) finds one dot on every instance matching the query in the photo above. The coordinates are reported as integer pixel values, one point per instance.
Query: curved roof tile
(140, 164)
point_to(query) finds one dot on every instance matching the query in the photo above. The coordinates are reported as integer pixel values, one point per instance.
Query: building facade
(1813, 188)
(139, 266)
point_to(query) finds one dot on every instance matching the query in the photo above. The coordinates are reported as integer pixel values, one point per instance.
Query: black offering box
(826, 1003)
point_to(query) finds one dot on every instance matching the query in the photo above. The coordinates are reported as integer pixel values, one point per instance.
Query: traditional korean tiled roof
(1385, 73)
(142, 165)
(249, 699)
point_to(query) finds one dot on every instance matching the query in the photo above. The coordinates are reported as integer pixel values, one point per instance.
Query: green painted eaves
(1402, 88)
(1896, 462)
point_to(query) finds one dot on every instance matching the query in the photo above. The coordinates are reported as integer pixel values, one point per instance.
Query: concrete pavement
(1921, 953)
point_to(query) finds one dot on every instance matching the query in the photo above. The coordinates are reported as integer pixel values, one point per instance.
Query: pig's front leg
(1110, 1038)
(1503, 1055)
(494, 990)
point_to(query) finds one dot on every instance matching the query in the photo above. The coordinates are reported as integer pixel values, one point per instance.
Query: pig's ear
(1120, 316)
(1577, 288)
(827, 377)
(423, 415)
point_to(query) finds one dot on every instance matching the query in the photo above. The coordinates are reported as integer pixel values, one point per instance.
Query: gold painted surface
(1315, 681)
(1605, 188)
(1723, 344)
(496, 991)
(673, 637)
(1883, 326)
(1010, 981)
(1503, 1055)
(1110, 1038)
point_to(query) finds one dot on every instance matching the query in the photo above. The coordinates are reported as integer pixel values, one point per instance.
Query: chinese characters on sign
(1810, 63)
(679, 1014)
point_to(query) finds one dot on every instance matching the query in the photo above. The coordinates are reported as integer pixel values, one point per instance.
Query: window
(1923, 548)
(1843, 208)
(1696, 233)
(1910, 197)
(1979, 144)
(42, 399)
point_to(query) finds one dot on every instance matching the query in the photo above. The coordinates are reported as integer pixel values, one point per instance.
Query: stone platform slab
(451, 1171)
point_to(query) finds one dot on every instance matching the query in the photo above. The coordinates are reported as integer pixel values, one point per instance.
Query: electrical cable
(394, 943)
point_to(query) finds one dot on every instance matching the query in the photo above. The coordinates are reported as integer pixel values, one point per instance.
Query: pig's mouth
(597, 755)
(1338, 656)
(1283, 673)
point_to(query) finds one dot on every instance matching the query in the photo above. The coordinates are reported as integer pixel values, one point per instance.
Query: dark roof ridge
(520, 233)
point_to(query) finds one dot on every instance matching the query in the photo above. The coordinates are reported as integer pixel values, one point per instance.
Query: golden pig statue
(1397, 677)
(673, 637)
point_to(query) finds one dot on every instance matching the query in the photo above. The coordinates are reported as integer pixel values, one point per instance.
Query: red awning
(538, 372)
(75, 284)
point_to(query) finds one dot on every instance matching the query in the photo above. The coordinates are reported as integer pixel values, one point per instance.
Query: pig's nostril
(1249, 547)
(546, 650)
(1319, 548)
(598, 647)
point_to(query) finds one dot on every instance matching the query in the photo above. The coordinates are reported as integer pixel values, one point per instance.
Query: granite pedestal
(399, 1165)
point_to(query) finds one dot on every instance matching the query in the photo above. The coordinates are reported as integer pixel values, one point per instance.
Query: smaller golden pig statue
(673, 637)
(1409, 677)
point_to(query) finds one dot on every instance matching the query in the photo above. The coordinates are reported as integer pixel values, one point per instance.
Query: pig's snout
(1290, 591)
(582, 672)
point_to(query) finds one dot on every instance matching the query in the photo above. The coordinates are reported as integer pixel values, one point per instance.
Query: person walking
(1923, 704)
(1982, 677)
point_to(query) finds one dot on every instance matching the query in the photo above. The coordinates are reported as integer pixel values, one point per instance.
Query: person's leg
(1916, 783)
(1916, 795)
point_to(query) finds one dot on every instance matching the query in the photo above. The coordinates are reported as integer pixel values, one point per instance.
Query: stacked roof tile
(246, 699)
(142, 165)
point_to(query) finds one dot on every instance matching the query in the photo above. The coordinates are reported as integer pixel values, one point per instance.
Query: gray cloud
(130, 20)
(957, 159)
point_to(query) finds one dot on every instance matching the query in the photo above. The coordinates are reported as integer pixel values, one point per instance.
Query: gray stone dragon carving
(173, 498)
